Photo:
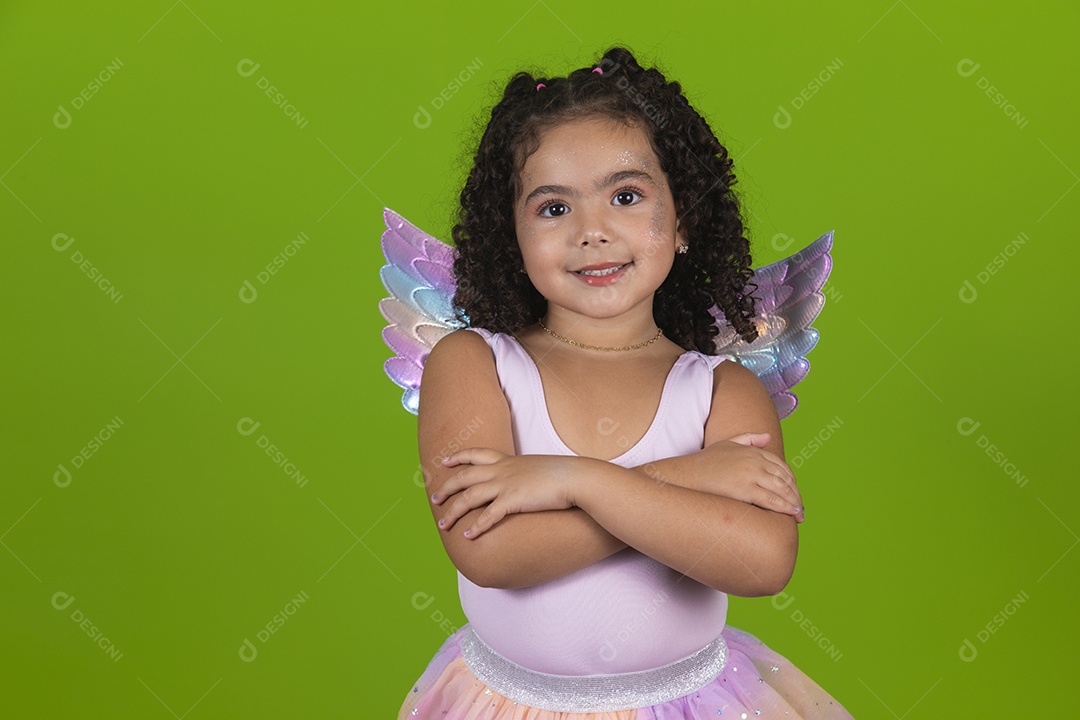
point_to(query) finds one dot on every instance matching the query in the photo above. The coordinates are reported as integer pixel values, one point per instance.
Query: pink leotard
(627, 612)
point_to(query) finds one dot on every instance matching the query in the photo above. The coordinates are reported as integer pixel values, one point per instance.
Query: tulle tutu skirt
(756, 682)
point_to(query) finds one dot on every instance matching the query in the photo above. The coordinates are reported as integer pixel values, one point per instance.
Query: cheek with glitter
(660, 238)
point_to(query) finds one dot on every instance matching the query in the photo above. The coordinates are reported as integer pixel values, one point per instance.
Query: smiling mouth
(610, 270)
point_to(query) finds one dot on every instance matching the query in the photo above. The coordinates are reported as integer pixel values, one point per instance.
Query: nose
(595, 238)
(593, 229)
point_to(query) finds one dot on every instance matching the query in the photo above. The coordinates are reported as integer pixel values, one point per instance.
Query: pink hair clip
(540, 85)
(598, 70)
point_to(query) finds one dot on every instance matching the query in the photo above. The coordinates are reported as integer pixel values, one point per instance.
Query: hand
(506, 484)
(739, 468)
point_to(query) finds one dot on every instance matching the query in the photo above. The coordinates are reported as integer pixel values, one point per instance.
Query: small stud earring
(683, 249)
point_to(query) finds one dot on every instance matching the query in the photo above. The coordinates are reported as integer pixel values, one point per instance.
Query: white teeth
(600, 273)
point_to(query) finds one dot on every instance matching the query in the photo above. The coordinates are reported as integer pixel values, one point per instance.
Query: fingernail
(468, 533)
(434, 497)
(442, 521)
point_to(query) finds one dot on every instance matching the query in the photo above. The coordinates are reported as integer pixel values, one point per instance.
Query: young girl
(617, 479)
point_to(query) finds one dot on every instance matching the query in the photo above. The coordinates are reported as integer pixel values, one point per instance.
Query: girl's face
(595, 220)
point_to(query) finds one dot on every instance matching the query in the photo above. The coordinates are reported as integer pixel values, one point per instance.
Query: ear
(680, 235)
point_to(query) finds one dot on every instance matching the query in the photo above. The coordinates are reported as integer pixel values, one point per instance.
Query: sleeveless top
(627, 612)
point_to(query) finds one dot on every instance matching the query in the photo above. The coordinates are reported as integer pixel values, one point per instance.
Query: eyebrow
(613, 179)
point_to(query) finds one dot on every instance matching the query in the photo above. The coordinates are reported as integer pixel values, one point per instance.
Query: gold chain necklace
(557, 336)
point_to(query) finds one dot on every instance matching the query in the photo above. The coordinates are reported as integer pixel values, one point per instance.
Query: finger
(473, 456)
(783, 487)
(774, 458)
(783, 471)
(752, 439)
(781, 467)
(760, 440)
(467, 476)
(492, 514)
(466, 500)
(790, 492)
(777, 503)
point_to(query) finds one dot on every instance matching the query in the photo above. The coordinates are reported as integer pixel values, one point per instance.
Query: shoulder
(460, 366)
(460, 343)
(729, 376)
(740, 403)
(460, 350)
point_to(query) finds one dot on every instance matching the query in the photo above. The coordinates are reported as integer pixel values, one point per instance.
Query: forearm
(669, 470)
(526, 549)
(723, 543)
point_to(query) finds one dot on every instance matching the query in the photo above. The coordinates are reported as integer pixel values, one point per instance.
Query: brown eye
(554, 210)
(626, 197)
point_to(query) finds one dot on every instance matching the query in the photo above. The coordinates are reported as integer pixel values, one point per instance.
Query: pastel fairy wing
(419, 275)
(789, 298)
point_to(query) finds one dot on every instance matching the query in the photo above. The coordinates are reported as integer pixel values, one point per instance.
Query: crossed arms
(724, 516)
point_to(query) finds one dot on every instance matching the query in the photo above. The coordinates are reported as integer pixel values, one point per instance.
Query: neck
(602, 332)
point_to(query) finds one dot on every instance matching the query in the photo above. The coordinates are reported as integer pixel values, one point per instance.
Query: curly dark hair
(715, 273)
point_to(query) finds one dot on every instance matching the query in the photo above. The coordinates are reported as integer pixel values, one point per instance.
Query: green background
(179, 180)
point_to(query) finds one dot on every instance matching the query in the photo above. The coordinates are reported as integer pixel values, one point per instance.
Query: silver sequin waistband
(592, 693)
